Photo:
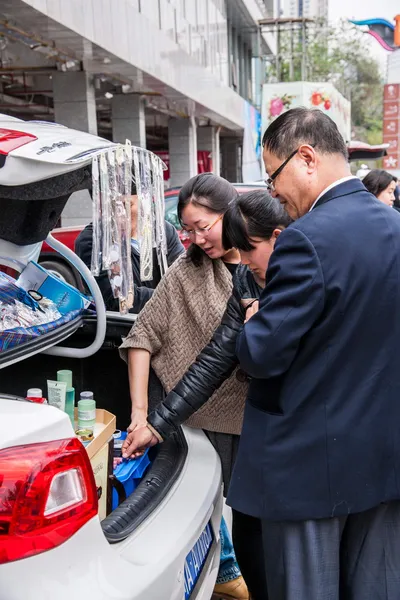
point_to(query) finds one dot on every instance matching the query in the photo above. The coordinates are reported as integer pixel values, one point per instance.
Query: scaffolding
(297, 30)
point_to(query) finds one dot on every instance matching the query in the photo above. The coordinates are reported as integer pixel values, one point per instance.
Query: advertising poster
(251, 162)
(280, 97)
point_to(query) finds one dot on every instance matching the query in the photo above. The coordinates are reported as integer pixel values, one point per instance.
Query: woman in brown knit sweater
(180, 319)
(251, 223)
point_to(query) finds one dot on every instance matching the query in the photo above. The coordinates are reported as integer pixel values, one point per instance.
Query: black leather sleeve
(213, 365)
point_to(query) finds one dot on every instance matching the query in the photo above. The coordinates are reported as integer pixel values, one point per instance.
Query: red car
(57, 265)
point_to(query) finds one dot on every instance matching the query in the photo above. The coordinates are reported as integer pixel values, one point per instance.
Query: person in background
(178, 321)
(396, 203)
(143, 290)
(251, 224)
(382, 185)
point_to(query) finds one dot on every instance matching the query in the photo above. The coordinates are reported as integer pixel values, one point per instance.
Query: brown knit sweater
(176, 324)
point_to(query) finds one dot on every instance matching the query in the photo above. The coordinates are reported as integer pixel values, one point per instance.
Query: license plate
(196, 558)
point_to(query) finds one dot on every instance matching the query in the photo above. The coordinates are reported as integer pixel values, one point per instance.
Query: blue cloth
(135, 245)
(10, 338)
(228, 567)
(321, 433)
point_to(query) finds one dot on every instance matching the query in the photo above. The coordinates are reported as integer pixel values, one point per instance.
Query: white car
(162, 542)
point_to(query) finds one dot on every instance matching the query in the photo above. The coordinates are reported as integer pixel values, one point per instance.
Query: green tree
(340, 55)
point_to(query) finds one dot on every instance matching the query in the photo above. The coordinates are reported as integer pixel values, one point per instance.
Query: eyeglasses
(202, 231)
(270, 181)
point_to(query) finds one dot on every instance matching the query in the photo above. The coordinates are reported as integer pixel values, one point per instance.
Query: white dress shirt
(334, 184)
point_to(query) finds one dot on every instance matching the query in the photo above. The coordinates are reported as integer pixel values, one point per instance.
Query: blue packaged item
(16, 336)
(129, 473)
(65, 297)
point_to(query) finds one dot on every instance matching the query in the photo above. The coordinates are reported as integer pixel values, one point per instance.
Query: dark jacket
(144, 291)
(321, 433)
(214, 364)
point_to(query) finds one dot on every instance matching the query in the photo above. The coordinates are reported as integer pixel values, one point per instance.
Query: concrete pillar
(208, 140)
(231, 159)
(128, 119)
(75, 101)
(182, 141)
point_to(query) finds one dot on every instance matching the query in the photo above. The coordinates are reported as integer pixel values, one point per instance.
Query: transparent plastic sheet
(145, 228)
(112, 181)
(159, 212)
(113, 252)
(125, 183)
(96, 262)
(121, 275)
(106, 215)
(17, 314)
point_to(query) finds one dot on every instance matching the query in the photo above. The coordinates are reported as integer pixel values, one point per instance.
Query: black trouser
(248, 544)
(356, 557)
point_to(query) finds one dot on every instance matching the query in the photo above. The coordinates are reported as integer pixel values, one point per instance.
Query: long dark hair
(254, 214)
(209, 191)
(377, 181)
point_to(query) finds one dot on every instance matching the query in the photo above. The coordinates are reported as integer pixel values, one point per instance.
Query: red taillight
(11, 140)
(47, 493)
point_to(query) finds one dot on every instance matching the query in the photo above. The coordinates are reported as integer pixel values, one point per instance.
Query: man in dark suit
(319, 457)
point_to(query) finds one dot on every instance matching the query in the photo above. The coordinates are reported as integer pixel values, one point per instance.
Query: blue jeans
(228, 567)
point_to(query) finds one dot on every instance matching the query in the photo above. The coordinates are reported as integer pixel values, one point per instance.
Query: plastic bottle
(36, 395)
(86, 411)
(70, 404)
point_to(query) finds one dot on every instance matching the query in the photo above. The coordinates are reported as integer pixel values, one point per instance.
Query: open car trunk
(28, 212)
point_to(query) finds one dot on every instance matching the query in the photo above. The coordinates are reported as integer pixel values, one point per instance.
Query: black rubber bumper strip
(163, 473)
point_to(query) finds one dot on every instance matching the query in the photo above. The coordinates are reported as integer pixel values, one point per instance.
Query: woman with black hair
(251, 224)
(382, 185)
(177, 323)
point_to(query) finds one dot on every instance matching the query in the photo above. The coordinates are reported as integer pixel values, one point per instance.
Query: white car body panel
(29, 423)
(53, 153)
(149, 564)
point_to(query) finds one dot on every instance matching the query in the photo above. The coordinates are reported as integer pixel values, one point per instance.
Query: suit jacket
(321, 433)
(144, 291)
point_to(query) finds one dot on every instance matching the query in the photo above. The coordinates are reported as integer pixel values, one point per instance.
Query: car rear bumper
(149, 564)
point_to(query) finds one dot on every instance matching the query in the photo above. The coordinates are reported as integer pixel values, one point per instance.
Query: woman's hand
(138, 419)
(251, 310)
(137, 442)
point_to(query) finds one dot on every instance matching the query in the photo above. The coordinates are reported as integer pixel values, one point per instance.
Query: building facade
(174, 76)
(311, 9)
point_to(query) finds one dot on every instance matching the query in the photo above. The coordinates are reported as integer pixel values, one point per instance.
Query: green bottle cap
(65, 376)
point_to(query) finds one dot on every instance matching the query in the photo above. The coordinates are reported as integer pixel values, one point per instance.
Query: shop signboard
(391, 125)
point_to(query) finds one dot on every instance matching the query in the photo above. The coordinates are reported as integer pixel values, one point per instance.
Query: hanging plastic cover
(145, 214)
(112, 181)
(96, 220)
(160, 237)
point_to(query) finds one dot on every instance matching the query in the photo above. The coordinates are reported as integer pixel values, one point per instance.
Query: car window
(171, 214)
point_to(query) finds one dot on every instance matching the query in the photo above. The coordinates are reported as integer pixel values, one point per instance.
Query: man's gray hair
(303, 126)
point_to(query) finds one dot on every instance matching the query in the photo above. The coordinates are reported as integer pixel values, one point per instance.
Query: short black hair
(209, 191)
(377, 180)
(254, 214)
(303, 126)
